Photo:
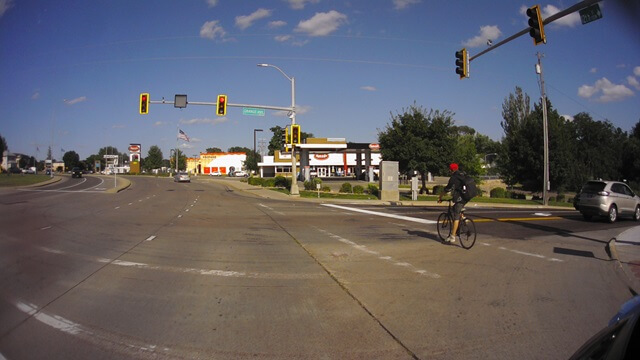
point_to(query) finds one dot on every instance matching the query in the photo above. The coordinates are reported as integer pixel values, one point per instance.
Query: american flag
(182, 135)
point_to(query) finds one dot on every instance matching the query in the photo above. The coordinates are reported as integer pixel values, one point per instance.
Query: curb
(632, 282)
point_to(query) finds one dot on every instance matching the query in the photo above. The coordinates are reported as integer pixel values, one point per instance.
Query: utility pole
(546, 186)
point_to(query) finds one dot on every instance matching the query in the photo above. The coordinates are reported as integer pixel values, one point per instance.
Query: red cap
(453, 167)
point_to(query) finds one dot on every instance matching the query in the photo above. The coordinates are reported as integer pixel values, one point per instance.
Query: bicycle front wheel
(467, 233)
(444, 226)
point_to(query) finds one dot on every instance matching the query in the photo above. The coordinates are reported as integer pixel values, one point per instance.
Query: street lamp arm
(277, 68)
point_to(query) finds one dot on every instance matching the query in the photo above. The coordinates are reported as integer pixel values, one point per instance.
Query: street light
(294, 179)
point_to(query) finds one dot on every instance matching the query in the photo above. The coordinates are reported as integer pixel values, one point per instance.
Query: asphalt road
(201, 270)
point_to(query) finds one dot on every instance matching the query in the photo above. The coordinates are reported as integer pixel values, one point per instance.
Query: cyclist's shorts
(457, 209)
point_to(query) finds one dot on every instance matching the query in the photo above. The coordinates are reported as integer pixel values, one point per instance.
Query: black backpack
(469, 189)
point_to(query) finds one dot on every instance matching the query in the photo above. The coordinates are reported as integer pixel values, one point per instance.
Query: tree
(182, 161)
(213, 150)
(3, 145)
(515, 112)
(153, 159)
(71, 159)
(239, 149)
(420, 141)
(277, 140)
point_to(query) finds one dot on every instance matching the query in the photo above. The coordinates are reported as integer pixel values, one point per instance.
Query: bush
(498, 193)
(282, 182)
(346, 188)
(358, 189)
(312, 184)
(373, 189)
(325, 189)
(560, 198)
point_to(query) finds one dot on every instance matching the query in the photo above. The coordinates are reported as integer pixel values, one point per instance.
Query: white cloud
(607, 91)
(282, 38)
(403, 4)
(633, 82)
(568, 118)
(300, 4)
(5, 5)
(246, 21)
(119, 126)
(159, 123)
(212, 3)
(322, 24)
(204, 121)
(368, 88)
(276, 24)
(489, 32)
(593, 70)
(570, 20)
(76, 100)
(211, 30)
(36, 95)
(636, 71)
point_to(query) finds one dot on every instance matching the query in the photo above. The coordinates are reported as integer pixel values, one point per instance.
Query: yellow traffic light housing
(221, 105)
(144, 103)
(462, 63)
(287, 139)
(537, 27)
(295, 134)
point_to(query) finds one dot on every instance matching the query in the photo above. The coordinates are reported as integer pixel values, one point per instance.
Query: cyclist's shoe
(451, 239)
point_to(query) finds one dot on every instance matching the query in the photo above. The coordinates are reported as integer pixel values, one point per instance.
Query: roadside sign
(110, 156)
(253, 111)
(590, 13)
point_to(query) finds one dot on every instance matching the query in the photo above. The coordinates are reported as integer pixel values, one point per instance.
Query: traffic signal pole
(579, 6)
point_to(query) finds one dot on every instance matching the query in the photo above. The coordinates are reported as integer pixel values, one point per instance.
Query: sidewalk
(626, 249)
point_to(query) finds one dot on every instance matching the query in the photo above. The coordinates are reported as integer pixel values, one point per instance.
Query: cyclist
(455, 186)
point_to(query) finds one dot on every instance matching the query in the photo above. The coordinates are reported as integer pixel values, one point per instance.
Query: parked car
(611, 199)
(182, 177)
(215, 173)
(240, 173)
(76, 172)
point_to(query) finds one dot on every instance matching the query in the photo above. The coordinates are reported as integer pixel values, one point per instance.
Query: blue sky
(71, 72)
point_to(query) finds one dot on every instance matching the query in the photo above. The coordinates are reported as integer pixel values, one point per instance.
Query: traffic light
(295, 134)
(462, 63)
(287, 139)
(144, 103)
(222, 105)
(537, 27)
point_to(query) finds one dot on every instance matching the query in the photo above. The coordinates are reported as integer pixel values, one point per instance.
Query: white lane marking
(204, 272)
(369, 212)
(542, 214)
(130, 204)
(46, 228)
(94, 336)
(117, 207)
(179, 216)
(364, 249)
(271, 209)
(96, 187)
(74, 185)
(187, 210)
(519, 252)
(150, 238)
(56, 322)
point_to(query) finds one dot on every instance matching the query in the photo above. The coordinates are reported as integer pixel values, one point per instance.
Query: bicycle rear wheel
(444, 226)
(467, 233)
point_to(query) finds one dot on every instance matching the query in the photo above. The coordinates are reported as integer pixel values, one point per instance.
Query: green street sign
(591, 13)
(253, 111)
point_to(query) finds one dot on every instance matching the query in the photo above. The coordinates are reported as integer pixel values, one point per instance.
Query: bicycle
(466, 227)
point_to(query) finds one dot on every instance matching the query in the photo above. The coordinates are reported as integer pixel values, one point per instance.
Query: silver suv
(607, 198)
